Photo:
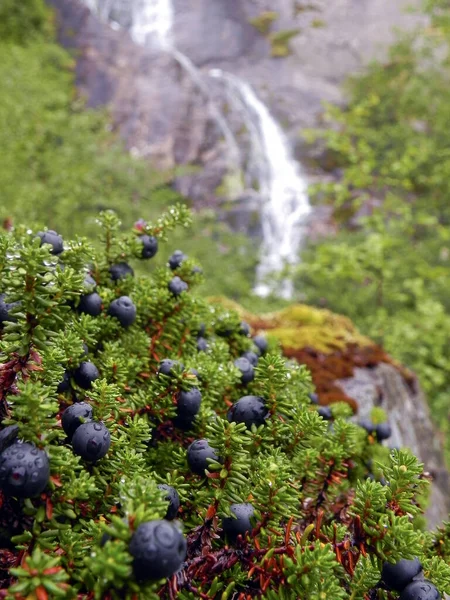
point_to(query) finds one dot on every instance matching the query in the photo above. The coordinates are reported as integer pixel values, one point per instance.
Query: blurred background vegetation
(61, 163)
(388, 268)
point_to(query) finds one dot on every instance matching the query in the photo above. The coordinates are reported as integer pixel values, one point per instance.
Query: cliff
(294, 54)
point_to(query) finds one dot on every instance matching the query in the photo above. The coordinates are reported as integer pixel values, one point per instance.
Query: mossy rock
(327, 343)
(300, 326)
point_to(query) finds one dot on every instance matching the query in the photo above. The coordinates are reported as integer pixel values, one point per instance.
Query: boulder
(347, 366)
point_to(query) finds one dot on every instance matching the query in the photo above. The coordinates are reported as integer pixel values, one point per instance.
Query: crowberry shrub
(149, 468)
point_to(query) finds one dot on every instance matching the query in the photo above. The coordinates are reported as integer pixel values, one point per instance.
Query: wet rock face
(163, 114)
(216, 32)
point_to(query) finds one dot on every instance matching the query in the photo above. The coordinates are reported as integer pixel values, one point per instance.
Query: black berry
(397, 576)
(183, 423)
(244, 329)
(64, 384)
(383, 431)
(252, 357)
(325, 413)
(202, 344)
(74, 416)
(197, 270)
(173, 499)
(420, 590)
(52, 238)
(240, 524)
(198, 453)
(5, 310)
(246, 369)
(7, 436)
(188, 404)
(177, 286)
(24, 470)
(176, 259)
(158, 549)
(314, 398)
(86, 374)
(250, 410)
(200, 330)
(90, 304)
(91, 441)
(169, 367)
(149, 246)
(261, 343)
(120, 270)
(367, 425)
(224, 329)
(123, 310)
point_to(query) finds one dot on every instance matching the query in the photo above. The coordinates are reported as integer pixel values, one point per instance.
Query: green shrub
(321, 528)
(23, 21)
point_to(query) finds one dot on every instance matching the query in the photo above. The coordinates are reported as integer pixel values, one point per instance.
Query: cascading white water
(281, 185)
(284, 189)
(152, 22)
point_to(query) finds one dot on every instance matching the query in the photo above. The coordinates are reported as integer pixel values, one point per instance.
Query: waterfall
(282, 186)
(286, 204)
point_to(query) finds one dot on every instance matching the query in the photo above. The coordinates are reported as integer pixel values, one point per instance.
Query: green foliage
(22, 22)
(61, 164)
(389, 271)
(320, 528)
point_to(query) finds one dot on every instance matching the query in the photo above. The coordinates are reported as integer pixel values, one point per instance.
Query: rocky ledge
(347, 366)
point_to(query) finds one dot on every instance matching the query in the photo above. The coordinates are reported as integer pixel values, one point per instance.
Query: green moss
(300, 326)
(280, 42)
(263, 22)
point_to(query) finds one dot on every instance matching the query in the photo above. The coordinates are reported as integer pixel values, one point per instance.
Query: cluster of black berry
(90, 439)
(24, 468)
(382, 431)
(406, 577)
